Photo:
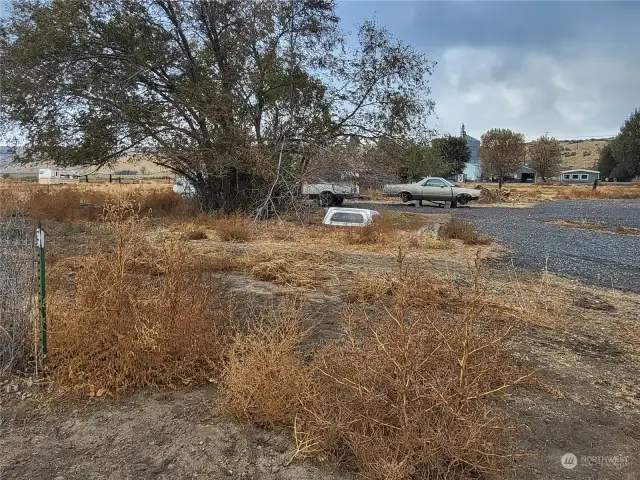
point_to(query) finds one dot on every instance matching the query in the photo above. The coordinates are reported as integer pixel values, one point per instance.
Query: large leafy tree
(502, 151)
(454, 151)
(626, 149)
(606, 163)
(226, 93)
(545, 156)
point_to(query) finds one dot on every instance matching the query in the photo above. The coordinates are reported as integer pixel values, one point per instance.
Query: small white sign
(40, 238)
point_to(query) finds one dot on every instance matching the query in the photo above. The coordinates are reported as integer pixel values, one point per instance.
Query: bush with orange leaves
(137, 316)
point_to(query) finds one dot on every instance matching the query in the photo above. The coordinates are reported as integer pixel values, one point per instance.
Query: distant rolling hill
(581, 153)
(576, 154)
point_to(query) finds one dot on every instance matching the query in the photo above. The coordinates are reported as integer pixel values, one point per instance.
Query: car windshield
(439, 182)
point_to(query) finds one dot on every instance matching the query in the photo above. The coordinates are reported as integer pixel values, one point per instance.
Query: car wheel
(405, 197)
(326, 199)
(463, 199)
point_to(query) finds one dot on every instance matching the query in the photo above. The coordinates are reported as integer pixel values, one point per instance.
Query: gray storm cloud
(568, 68)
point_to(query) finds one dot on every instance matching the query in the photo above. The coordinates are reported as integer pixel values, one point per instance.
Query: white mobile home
(579, 176)
(50, 176)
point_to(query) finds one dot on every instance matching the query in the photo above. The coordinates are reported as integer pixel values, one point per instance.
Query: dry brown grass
(64, 204)
(161, 203)
(600, 226)
(137, 316)
(265, 379)
(627, 231)
(555, 191)
(234, 228)
(403, 394)
(71, 203)
(580, 224)
(457, 228)
(293, 267)
(195, 234)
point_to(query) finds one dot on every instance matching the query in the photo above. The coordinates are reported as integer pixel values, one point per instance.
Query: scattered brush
(194, 235)
(429, 242)
(294, 268)
(65, 204)
(265, 379)
(139, 316)
(627, 230)
(409, 397)
(402, 395)
(457, 228)
(377, 232)
(366, 235)
(233, 229)
(214, 262)
(162, 203)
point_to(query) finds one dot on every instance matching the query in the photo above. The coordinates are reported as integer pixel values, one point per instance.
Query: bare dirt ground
(582, 340)
(145, 436)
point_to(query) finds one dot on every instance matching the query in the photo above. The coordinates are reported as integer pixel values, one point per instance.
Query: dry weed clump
(457, 228)
(138, 316)
(377, 232)
(404, 394)
(265, 380)
(407, 398)
(293, 268)
(417, 290)
(233, 229)
(407, 393)
(194, 234)
(162, 203)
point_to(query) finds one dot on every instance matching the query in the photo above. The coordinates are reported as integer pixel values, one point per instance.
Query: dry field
(581, 153)
(537, 192)
(185, 345)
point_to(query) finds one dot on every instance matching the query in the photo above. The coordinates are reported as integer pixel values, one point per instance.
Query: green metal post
(42, 288)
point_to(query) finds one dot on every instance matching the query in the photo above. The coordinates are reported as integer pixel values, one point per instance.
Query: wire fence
(17, 291)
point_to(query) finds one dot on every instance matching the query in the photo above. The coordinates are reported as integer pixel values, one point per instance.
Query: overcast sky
(571, 69)
(568, 68)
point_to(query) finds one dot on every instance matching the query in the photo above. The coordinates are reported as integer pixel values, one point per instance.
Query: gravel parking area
(592, 256)
(597, 257)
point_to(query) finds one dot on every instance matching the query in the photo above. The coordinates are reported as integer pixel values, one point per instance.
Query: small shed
(526, 174)
(579, 176)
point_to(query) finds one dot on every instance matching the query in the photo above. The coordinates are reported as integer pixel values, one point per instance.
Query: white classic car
(432, 189)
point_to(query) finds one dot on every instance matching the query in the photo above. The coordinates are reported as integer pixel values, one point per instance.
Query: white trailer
(51, 176)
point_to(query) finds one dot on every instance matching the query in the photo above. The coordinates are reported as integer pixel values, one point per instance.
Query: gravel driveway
(592, 256)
